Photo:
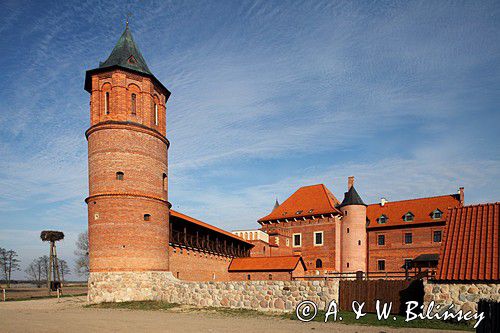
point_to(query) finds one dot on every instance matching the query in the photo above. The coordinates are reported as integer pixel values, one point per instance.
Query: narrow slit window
(156, 114)
(106, 103)
(133, 104)
(165, 183)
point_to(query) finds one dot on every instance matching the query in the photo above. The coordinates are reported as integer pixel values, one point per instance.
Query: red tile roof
(470, 250)
(206, 225)
(286, 263)
(306, 201)
(421, 209)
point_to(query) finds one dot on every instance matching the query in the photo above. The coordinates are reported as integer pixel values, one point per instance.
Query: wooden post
(3, 294)
(49, 275)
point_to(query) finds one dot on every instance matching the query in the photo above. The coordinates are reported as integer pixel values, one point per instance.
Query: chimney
(383, 201)
(350, 182)
(461, 194)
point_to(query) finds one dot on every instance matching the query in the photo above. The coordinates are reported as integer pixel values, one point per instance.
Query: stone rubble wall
(280, 296)
(463, 296)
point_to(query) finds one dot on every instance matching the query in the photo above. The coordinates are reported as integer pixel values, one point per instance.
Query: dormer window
(437, 214)
(382, 219)
(408, 217)
(132, 60)
(311, 210)
(298, 212)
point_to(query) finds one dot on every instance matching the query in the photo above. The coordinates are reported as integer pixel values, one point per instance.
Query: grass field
(26, 293)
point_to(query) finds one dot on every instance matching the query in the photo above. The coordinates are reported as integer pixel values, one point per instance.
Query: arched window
(319, 263)
(147, 217)
(119, 175)
(270, 276)
(347, 230)
(156, 113)
(165, 182)
(133, 104)
(106, 102)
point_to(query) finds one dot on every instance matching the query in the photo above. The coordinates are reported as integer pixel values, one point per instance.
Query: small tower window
(133, 104)
(359, 242)
(347, 230)
(147, 217)
(165, 183)
(270, 276)
(106, 103)
(156, 114)
(319, 263)
(119, 175)
(248, 277)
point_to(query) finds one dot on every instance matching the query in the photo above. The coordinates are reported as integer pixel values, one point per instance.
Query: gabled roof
(352, 197)
(285, 263)
(421, 209)
(470, 248)
(306, 201)
(205, 225)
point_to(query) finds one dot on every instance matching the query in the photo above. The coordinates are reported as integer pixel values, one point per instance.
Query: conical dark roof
(352, 197)
(126, 54)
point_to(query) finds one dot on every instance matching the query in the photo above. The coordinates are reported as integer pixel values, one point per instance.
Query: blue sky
(267, 96)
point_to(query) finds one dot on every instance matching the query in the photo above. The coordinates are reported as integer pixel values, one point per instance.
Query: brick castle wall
(309, 252)
(192, 265)
(395, 250)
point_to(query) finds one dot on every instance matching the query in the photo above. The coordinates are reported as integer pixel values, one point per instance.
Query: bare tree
(9, 264)
(63, 269)
(82, 254)
(38, 270)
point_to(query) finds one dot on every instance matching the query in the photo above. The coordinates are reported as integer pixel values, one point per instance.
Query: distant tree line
(8, 263)
(38, 271)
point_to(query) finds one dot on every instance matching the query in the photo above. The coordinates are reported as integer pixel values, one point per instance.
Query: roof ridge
(421, 198)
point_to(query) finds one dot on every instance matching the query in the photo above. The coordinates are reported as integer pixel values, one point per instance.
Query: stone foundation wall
(463, 296)
(259, 295)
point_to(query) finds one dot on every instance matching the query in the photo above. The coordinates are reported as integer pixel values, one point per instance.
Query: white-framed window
(318, 238)
(297, 240)
(156, 114)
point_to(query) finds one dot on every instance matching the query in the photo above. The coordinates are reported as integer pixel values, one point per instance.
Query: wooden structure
(397, 292)
(53, 272)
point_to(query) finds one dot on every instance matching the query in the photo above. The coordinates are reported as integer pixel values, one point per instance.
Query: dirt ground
(70, 315)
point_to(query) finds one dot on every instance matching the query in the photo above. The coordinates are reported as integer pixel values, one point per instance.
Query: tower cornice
(116, 124)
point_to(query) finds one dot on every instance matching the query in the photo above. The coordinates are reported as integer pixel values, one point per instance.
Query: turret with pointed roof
(125, 55)
(351, 197)
(276, 204)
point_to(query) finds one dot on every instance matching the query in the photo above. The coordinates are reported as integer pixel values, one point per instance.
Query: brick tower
(353, 247)
(128, 208)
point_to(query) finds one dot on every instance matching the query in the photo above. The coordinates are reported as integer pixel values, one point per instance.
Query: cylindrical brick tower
(353, 231)
(128, 208)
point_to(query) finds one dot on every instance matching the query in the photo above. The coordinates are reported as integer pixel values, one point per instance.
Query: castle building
(351, 236)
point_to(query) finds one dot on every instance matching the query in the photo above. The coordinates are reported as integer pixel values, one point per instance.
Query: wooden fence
(369, 291)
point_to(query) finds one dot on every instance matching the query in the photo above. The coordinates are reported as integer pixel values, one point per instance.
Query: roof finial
(129, 14)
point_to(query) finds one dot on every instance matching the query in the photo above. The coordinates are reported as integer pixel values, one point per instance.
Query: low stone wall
(463, 296)
(259, 295)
